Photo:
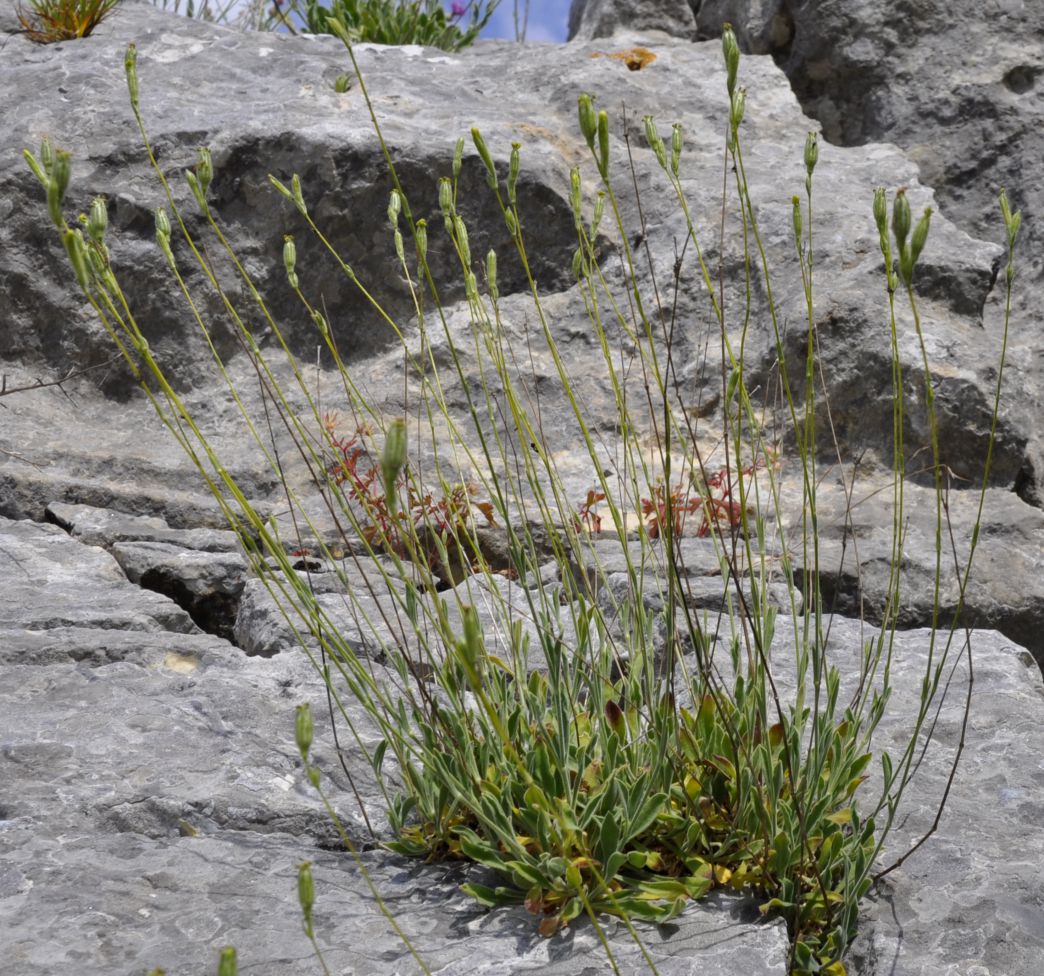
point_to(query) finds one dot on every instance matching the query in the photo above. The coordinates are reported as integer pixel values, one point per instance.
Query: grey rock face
(154, 809)
(957, 86)
(591, 19)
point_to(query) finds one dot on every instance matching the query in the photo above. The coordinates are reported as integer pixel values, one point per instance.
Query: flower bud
(320, 324)
(652, 136)
(460, 232)
(303, 731)
(98, 220)
(1012, 221)
(513, 168)
(603, 144)
(599, 210)
(739, 106)
(306, 895)
(56, 186)
(578, 264)
(394, 207)
(227, 964)
(421, 237)
(901, 217)
(290, 260)
(574, 195)
(197, 190)
(881, 211)
(162, 223)
(677, 135)
(393, 459)
(77, 251)
(491, 273)
(512, 223)
(588, 119)
(204, 169)
(487, 159)
(130, 69)
(298, 197)
(796, 204)
(47, 155)
(445, 195)
(400, 249)
(811, 152)
(730, 49)
(920, 235)
(458, 157)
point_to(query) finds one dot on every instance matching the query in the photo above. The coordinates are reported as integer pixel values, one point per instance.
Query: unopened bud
(491, 273)
(298, 197)
(290, 260)
(162, 223)
(57, 185)
(306, 895)
(130, 69)
(513, 168)
(901, 217)
(205, 169)
(394, 207)
(731, 51)
(811, 152)
(98, 220)
(920, 234)
(303, 731)
(77, 251)
(652, 136)
(227, 964)
(458, 157)
(796, 204)
(422, 239)
(603, 144)
(487, 159)
(677, 135)
(588, 119)
(393, 459)
(446, 195)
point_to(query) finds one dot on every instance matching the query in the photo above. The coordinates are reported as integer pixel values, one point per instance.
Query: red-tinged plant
(716, 506)
(445, 516)
(586, 516)
(49, 21)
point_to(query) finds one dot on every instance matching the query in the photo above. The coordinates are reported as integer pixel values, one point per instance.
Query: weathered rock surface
(154, 808)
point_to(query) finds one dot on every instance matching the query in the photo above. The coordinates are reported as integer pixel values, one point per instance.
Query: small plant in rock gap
(586, 736)
(402, 21)
(50, 21)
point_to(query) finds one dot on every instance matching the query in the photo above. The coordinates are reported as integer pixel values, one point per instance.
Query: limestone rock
(591, 19)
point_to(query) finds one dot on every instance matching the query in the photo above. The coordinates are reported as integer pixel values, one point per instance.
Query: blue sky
(547, 20)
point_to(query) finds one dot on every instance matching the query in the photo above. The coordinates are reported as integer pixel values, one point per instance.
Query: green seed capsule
(603, 143)
(796, 204)
(197, 190)
(47, 155)
(393, 459)
(652, 136)
(394, 207)
(513, 169)
(920, 234)
(461, 234)
(487, 159)
(227, 965)
(458, 157)
(588, 119)
(162, 223)
(677, 135)
(901, 217)
(739, 106)
(57, 185)
(303, 730)
(422, 239)
(98, 220)
(446, 195)
(881, 211)
(730, 49)
(205, 169)
(290, 260)
(77, 251)
(306, 895)
(491, 272)
(811, 152)
(130, 69)
(295, 188)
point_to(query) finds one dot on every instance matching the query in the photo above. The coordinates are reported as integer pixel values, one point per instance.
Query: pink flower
(457, 10)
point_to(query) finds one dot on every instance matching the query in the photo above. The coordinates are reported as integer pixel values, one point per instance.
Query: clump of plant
(402, 21)
(601, 752)
(50, 21)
